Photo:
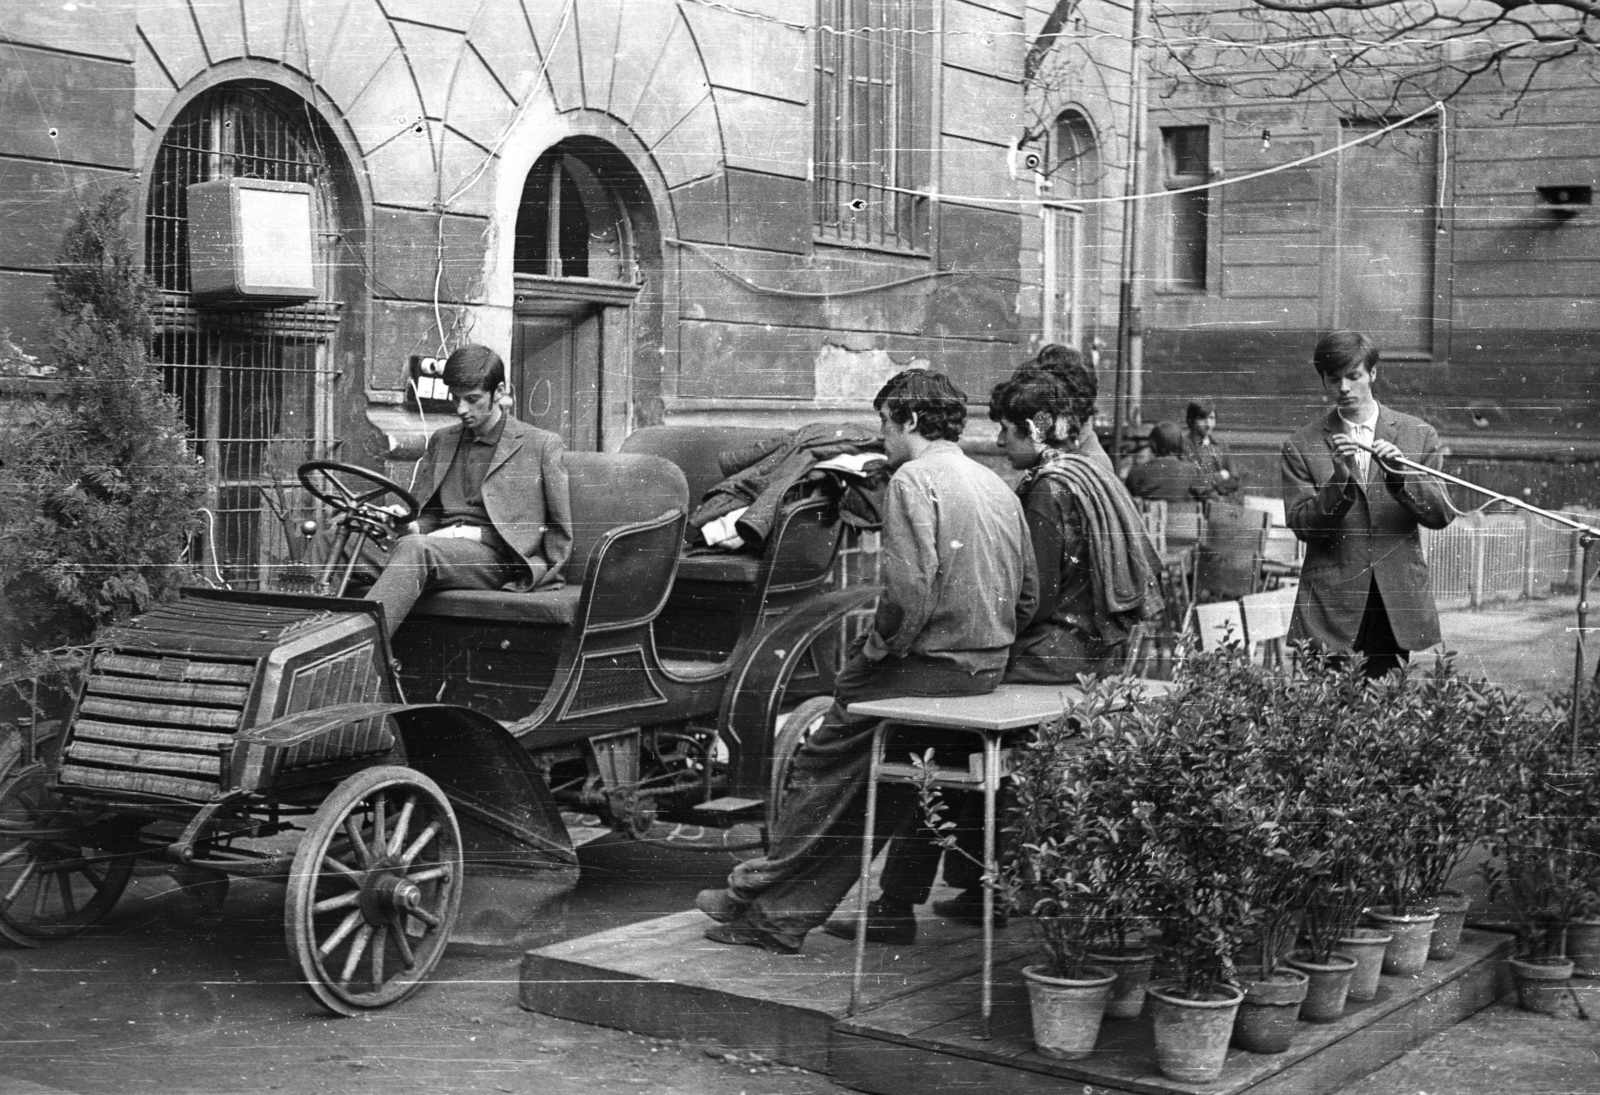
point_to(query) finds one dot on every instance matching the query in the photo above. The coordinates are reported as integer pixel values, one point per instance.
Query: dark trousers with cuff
(814, 851)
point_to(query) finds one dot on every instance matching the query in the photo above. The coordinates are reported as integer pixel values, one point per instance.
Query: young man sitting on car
(495, 509)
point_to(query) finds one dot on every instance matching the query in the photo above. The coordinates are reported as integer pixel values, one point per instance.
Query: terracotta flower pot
(1132, 967)
(1330, 984)
(1583, 946)
(1192, 1035)
(1542, 983)
(1066, 1011)
(1413, 933)
(1269, 1011)
(1452, 906)
(1366, 946)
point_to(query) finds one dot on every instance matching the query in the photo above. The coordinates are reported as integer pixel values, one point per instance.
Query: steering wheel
(322, 478)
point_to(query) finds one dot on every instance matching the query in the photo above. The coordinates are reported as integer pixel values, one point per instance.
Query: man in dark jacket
(495, 506)
(1208, 453)
(1167, 476)
(1364, 583)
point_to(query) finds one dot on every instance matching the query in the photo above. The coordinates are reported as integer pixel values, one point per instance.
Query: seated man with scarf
(1099, 576)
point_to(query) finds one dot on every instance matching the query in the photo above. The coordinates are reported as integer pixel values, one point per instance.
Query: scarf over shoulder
(1126, 571)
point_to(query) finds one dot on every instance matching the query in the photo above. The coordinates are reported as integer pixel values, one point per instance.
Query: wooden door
(556, 370)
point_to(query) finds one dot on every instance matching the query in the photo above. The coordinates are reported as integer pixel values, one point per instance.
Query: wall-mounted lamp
(1565, 202)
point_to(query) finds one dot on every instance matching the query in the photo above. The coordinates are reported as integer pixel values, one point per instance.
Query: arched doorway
(577, 277)
(256, 382)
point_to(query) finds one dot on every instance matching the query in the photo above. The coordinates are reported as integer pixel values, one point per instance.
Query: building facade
(656, 210)
(1463, 242)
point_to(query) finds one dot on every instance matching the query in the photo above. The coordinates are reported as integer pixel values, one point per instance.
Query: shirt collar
(490, 436)
(1370, 423)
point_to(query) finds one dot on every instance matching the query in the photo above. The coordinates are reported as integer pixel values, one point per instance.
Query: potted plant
(1100, 819)
(1543, 852)
(1062, 869)
(1190, 770)
(1439, 740)
(1326, 754)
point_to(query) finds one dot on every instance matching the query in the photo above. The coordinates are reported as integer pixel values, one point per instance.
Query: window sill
(878, 248)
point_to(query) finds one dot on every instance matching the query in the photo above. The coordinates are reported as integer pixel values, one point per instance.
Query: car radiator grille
(155, 724)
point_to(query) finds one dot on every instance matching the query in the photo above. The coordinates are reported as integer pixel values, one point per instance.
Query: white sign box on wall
(251, 239)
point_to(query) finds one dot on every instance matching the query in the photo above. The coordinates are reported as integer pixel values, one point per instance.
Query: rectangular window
(871, 145)
(1186, 162)
(1063, 275)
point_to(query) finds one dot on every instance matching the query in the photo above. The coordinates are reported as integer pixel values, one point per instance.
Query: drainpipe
(1129, 389)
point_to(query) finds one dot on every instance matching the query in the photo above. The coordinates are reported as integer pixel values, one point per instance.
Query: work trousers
(814, 850)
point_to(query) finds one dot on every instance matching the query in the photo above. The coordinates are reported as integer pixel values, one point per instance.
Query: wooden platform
(918, 1030)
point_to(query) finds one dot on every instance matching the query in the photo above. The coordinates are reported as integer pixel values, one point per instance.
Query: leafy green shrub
(1076, 834)
(102, 491)
(1249, 803)
(1545, 842)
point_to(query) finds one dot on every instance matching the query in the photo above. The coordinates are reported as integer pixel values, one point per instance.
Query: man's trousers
(814, 851)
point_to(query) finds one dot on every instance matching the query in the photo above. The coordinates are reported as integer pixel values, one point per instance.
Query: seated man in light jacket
(958, 576)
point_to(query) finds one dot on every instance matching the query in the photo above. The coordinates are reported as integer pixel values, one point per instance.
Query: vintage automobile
(413, 791)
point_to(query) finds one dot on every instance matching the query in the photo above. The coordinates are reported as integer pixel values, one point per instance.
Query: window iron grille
(255, 385)
(868, 73)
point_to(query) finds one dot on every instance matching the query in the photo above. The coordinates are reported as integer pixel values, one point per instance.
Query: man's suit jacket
(1359, 532)
(524, 490)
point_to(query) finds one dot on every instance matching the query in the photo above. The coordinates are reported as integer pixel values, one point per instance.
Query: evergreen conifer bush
(102, 490)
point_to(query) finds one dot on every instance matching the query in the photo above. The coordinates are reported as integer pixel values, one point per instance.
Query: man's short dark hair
(1200, 408)
(474, 368)
(1166, 438)
(940, 406)
(1029, 393)
(1071, 368)
(1053, 356)
(1338, 351)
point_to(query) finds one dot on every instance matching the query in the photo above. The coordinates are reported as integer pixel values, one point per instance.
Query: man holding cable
(1364, 583)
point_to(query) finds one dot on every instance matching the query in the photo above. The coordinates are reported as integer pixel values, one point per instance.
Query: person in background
(1209, 453)
(1099, 577)
(959, 577)
(1167, 476)
(1364, 584)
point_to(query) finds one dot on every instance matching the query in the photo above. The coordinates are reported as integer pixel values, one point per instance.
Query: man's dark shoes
(742, 933)
(888, 921)
(719, 905)
(967, 908)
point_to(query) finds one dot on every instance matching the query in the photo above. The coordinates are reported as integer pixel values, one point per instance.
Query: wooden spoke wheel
(374, 889)
(798, 726)
(53, 882)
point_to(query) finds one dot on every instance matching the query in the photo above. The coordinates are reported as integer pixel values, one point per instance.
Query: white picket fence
(1483, 558)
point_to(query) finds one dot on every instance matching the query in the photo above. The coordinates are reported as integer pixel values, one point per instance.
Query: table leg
(863, 881)
(991, 787)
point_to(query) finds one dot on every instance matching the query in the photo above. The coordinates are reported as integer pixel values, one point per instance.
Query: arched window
(255, 382)
(1075, 158)
(1072, 232)
(569, 224)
